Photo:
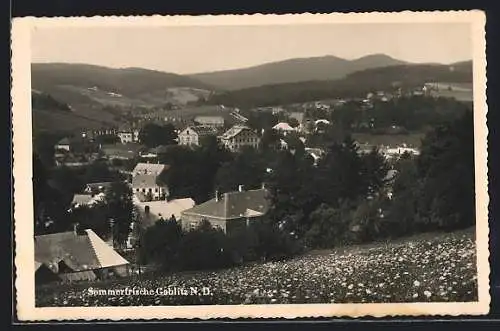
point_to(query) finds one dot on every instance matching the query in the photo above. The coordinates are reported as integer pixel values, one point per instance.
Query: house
(152, 211)
(76, 256)
(284, 128)
(214, 121)
(228, 211)
(63, 144)
(147, 185)
(126, 136)
(239, 136)
(126, 151)
(80, 200)
(192, 135)
(96, 188)
(316, 153)
(397, 152)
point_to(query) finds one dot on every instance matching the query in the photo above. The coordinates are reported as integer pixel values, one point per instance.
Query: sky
(193, 49)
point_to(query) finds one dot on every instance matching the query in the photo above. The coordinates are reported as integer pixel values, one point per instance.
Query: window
(156, 189)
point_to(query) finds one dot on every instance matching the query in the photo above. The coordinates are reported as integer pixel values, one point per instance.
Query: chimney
(216, 196)
(240, 188)
(263, 185)
(75, 228)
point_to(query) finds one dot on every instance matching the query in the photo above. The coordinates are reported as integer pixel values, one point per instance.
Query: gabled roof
(232, 205)
(144, 181)
(234, 131)
(149, 168)
(78, 252)
(201, 129)
(64, 141)
(283, 127)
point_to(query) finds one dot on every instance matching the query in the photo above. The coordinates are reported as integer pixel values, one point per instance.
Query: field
(425, 268)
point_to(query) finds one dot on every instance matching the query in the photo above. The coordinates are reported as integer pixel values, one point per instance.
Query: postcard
(250, 166)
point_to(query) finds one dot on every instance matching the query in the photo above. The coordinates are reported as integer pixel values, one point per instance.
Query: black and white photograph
(234, 167)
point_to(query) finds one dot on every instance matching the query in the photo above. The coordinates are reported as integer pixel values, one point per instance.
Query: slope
(292, 70)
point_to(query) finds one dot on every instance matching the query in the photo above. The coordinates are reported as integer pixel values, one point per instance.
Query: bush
(204, 248)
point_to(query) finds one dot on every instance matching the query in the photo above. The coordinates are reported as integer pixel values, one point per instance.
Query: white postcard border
(23, 190)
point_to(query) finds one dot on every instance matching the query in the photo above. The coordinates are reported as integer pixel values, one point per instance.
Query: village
(83, 255)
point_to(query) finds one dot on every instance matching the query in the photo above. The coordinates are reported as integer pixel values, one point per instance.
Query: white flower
(350, 286)
(416, 283)
(427, 294)
(415, 295)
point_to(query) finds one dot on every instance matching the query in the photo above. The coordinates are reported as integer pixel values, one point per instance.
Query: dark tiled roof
(234, 205)
(203, 129)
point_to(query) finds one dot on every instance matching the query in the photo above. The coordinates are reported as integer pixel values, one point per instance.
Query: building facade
(228, 211)
(240, 136)
(192, 135)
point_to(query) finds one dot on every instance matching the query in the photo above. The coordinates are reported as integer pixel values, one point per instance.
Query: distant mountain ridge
(127, 81)
(293, 70)
(355, 85)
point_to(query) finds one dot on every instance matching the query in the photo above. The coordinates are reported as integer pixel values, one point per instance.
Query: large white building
(192, 135)
(145, 182)
(239, 136)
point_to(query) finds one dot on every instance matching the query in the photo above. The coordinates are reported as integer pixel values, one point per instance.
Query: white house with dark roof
(239, 136)
(192, 135)
(63, 144)
(145, 184)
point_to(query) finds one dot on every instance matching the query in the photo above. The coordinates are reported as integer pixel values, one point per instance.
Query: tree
(246, 169)
(446, 165)
(341, 174)
(404, 209)
(120, 210)
(99, 172)
(107, 139)
(153, 135)
(329, 227)
(374, 170)
(203, 248)
(293, 192)
(92, 217)
(270, 140)
(160, 244)
(294, 123)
